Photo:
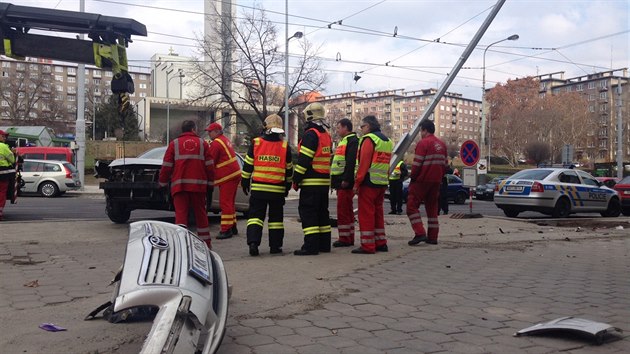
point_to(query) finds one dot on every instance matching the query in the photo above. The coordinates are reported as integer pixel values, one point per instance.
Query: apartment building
(608, 103)
(41, 90)
(456, 118)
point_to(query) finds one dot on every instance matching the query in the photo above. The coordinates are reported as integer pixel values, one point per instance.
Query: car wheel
(510, 213)
(48, 189)
(625, 211)
(117, 212)
(613, 210)
(460, 198)
(562, 208)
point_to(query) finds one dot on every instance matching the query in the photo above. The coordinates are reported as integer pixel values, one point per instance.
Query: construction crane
(109, 37)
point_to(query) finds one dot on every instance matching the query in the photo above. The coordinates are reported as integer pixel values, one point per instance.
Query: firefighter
(267, 173)
(312, 175)
(396, 179)
(429, 166)
(342, 179)
(7, 169)
(189, 168)
(375, 151)
(227, 177)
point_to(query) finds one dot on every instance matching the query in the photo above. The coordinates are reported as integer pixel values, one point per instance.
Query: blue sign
(469, 153)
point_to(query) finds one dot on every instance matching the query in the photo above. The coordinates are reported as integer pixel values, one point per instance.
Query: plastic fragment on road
(596, 330)
(51, 327)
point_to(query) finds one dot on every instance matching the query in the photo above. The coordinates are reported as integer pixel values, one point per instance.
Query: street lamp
(168, 101)
(483, 99)
(297, 35)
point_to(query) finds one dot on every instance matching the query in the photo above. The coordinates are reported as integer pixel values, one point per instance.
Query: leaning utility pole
(405, 142)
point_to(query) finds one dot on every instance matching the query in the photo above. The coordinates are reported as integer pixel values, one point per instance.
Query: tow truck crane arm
(109, 36)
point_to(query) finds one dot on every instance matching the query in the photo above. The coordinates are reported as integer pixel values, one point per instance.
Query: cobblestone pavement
(458, 300)
(486, 279)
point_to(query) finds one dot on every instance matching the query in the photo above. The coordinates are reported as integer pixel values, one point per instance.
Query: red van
(46, 153)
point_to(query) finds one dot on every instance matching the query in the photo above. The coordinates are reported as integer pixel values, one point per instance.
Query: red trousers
(227, 196)
(371, 218)
(345, 215)
(184, 201)
(429, 194)
(4, 186)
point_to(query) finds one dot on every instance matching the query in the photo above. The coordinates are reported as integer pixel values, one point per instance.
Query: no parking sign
(469, 153)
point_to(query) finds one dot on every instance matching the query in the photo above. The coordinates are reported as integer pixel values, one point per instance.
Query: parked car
(608, 181)
(48, 177)
(558, 192)
(46, 153)
(457, 193)
(623, 188)
(486, 191)
(132, 183)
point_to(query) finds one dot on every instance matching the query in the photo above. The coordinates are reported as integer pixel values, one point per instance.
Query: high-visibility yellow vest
(339, 160)
(395, 175)
(379, 168)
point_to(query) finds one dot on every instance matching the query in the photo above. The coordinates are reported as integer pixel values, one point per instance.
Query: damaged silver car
(171, 276)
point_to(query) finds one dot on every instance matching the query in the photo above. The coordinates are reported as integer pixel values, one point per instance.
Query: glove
(246, 190)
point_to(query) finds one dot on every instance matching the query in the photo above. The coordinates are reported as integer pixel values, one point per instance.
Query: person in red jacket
(429, 166)
(227, 176)
(189, 168)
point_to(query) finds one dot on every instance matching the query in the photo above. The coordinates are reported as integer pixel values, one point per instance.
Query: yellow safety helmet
(273, 123)
(314, 111)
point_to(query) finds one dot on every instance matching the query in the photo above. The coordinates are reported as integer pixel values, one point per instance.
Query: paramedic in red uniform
(372, 178)
(189, 168)
(227, 177)
(342, 179)
(429, 166)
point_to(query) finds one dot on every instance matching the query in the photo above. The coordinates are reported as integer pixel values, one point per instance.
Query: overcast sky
(578, 37)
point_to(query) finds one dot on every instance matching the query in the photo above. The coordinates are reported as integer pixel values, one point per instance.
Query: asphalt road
(77, 206)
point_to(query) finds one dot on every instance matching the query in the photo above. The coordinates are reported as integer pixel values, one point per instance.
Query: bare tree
(29, 97)
(244, 72)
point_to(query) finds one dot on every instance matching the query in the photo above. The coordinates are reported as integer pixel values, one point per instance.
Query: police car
(557, 192)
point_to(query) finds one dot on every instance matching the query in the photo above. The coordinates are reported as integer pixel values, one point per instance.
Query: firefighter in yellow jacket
(267, 174)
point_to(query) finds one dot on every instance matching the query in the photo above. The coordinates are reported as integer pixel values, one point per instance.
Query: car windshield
(157, 153)
(534, 174)
(625, 180)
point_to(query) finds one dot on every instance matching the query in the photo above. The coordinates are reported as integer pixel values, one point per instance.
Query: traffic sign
(469, 153)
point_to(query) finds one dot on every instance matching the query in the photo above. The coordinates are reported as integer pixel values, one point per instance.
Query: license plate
(198, 259)
(513, 188)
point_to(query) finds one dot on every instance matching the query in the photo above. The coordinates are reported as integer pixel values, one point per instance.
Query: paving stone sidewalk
(447, 299)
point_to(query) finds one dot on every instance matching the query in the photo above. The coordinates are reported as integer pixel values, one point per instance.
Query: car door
(595, 195)
(571, 187)
(31, 175)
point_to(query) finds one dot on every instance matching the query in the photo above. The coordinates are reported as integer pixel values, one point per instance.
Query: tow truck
(168, 271)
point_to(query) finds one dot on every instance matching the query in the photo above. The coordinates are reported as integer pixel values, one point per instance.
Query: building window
(6, 64)
(58, 78)
(591, 85)
(579, 87)
(58, 69)
(72, 79)
(143, 77)
(143, 86)
(603, 84)
(603, 95)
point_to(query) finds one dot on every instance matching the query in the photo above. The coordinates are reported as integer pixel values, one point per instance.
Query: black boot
(275, 250)
(324, 242)
(253, 250)
(234, 230)
(224, 235)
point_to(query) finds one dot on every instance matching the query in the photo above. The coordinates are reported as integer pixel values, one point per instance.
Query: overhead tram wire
(349, 16)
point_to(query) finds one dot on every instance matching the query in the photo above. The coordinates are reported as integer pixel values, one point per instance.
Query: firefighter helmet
(314, 111)
(273, 123)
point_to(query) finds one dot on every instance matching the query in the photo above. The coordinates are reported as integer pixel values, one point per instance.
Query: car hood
(134, 161)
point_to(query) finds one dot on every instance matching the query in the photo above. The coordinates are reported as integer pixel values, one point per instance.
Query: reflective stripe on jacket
(318, 173)
(187, 165)
(270, 166)
(7, 159)
(395, 175)
(379, 166)
(226, 166)
(339, 161)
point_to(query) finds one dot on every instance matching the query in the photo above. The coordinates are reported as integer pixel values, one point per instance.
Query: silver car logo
(158, 242)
